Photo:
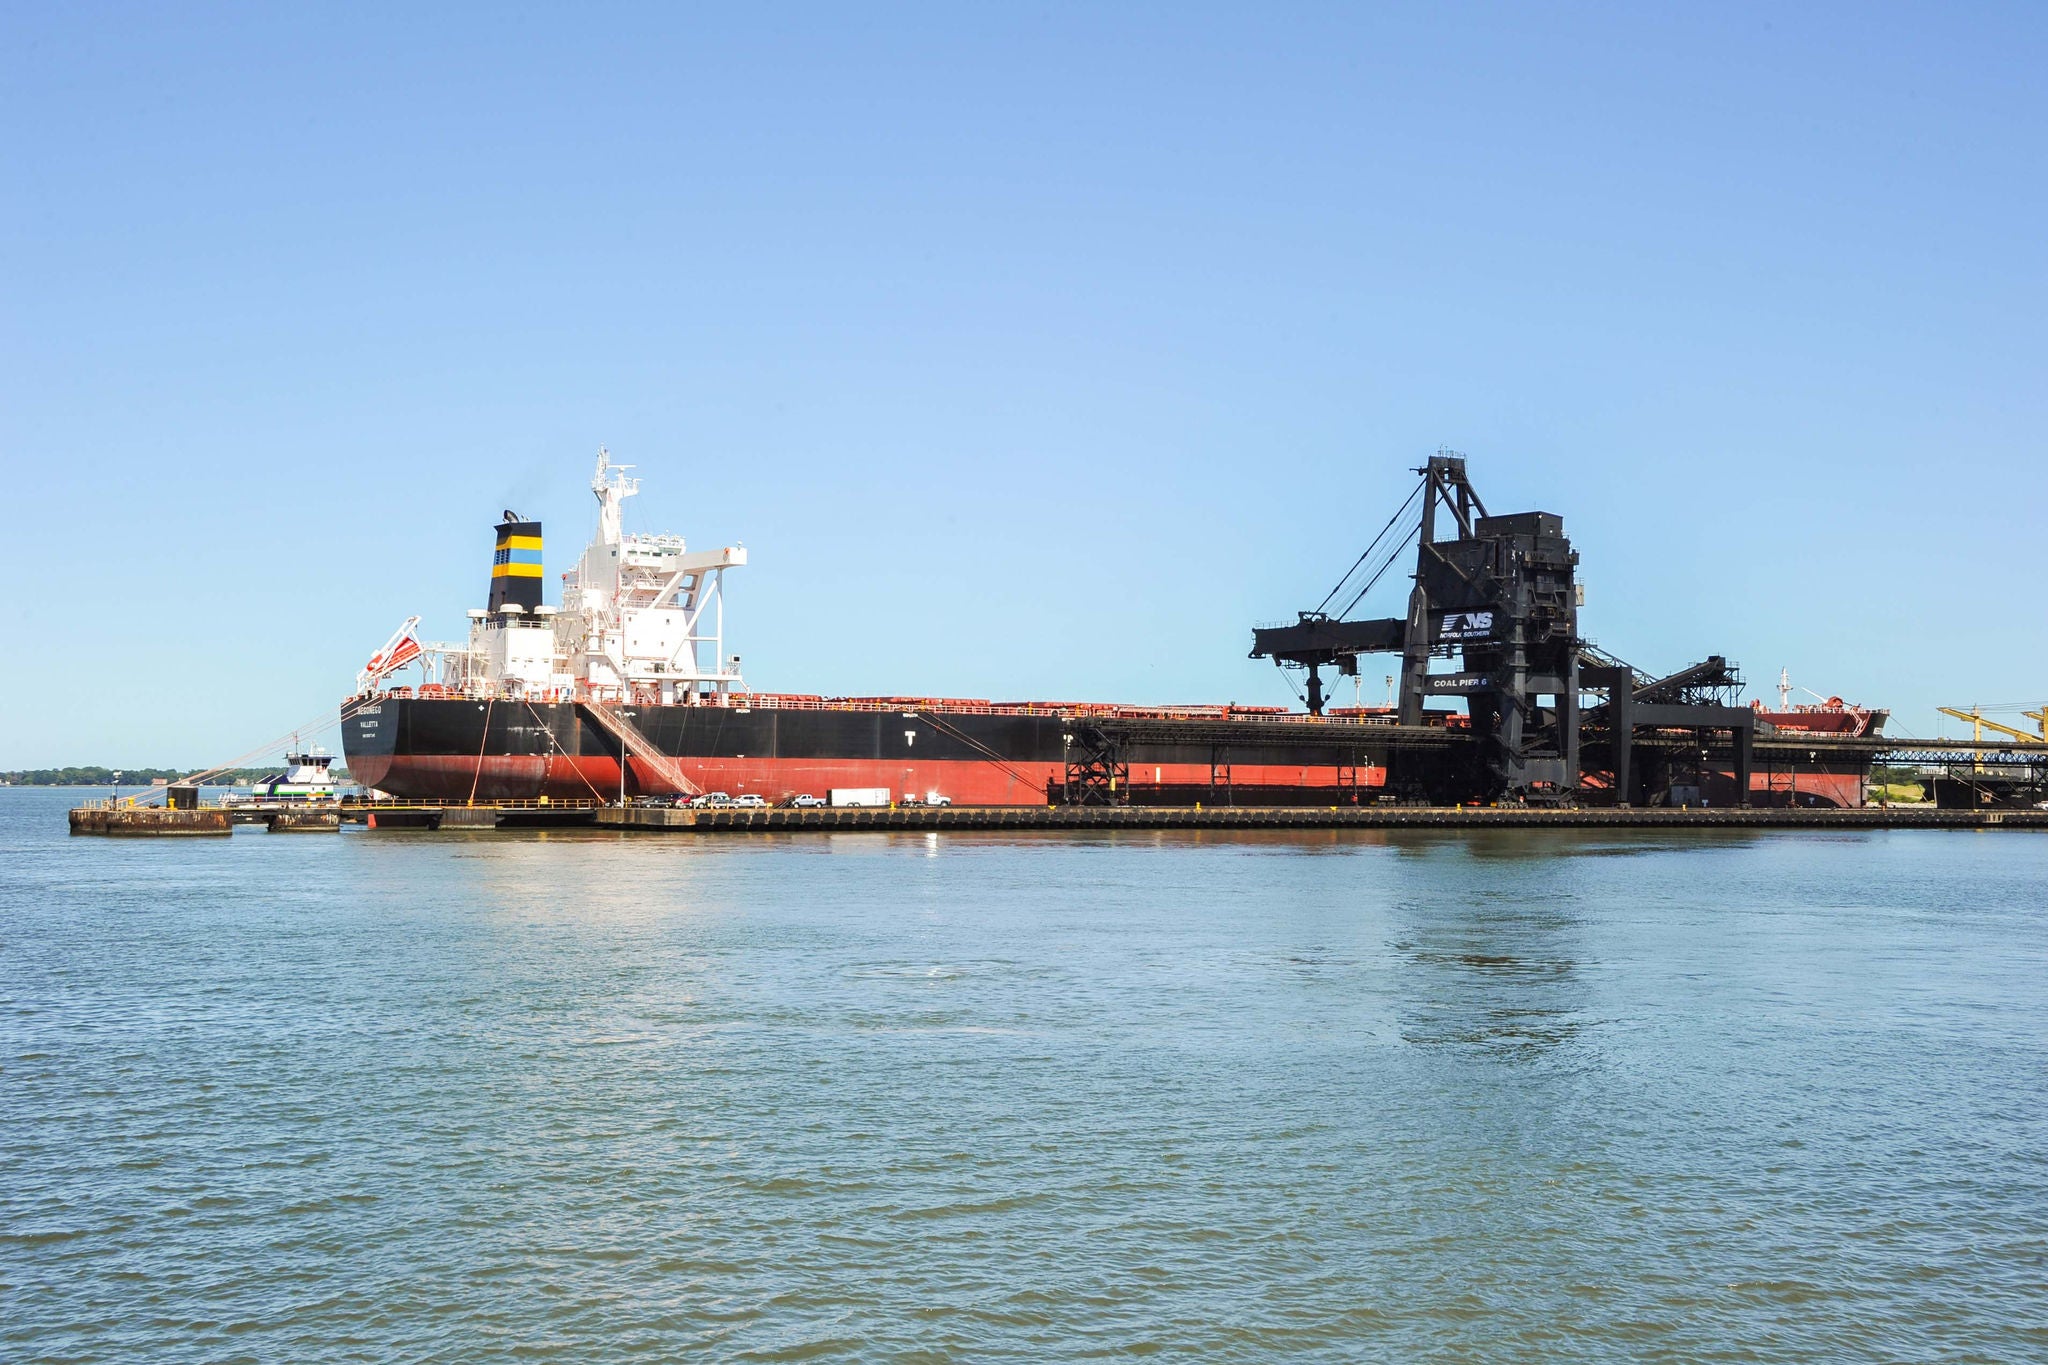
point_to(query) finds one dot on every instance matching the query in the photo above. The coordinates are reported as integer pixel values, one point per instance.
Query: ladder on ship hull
(633, 743)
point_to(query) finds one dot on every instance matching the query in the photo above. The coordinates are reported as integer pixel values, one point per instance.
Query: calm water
(1357, 1096)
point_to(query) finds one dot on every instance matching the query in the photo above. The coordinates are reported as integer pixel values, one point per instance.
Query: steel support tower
(1497, 598)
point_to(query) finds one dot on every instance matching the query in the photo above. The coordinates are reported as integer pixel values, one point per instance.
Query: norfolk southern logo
(1466, 625)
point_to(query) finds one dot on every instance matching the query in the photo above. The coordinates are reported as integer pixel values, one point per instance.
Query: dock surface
(484, 816)
(1300, 817)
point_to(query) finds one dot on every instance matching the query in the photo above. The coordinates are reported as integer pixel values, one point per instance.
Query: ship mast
(612, 488)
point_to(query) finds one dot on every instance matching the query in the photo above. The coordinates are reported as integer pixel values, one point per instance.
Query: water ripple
(1337, 1097)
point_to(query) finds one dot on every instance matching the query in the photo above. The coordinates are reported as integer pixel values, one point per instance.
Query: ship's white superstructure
(641, 613)
(642, 619)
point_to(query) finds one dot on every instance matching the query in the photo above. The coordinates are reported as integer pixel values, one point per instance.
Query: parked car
(934, 799)
(710, 801)
(804, 801)
(751, 801)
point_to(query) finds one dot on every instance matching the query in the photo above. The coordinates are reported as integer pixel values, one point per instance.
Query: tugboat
(306, 778)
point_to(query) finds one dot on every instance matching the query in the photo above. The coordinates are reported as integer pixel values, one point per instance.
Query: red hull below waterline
(498, 777)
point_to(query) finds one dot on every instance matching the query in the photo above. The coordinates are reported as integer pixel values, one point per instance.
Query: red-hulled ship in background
(1825, 716)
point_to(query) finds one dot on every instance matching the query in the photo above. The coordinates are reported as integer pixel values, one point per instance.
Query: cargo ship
(625, 689)
(1822, 716)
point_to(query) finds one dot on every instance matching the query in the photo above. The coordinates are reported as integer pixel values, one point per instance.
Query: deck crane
(398, 651)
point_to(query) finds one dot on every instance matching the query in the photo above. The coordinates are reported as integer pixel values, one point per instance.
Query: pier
(105, 819)
(1054, 818)
(1999, 782)
(108, 818)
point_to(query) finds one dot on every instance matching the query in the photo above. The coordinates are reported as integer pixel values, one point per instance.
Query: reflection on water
(1335, 1094)
(1493, 964)
(1512, 1005)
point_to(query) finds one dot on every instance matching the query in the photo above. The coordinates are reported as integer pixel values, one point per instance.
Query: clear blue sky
(1033, 352)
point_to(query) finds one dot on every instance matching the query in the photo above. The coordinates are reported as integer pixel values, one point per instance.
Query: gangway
(619, 726)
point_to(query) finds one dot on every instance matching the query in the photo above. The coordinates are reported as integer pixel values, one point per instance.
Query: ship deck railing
(954, 706)
(507, 803)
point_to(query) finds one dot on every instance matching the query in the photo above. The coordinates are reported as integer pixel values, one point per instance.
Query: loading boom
(1499, 598)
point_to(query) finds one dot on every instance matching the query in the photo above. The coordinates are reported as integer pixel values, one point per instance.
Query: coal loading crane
(1498, 596)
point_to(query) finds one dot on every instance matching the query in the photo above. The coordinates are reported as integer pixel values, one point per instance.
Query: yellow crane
(1977, 720)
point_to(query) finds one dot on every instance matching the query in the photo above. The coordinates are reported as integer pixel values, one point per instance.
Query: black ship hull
(456, 749)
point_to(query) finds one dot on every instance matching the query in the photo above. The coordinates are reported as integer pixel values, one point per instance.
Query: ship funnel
(515, 568)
